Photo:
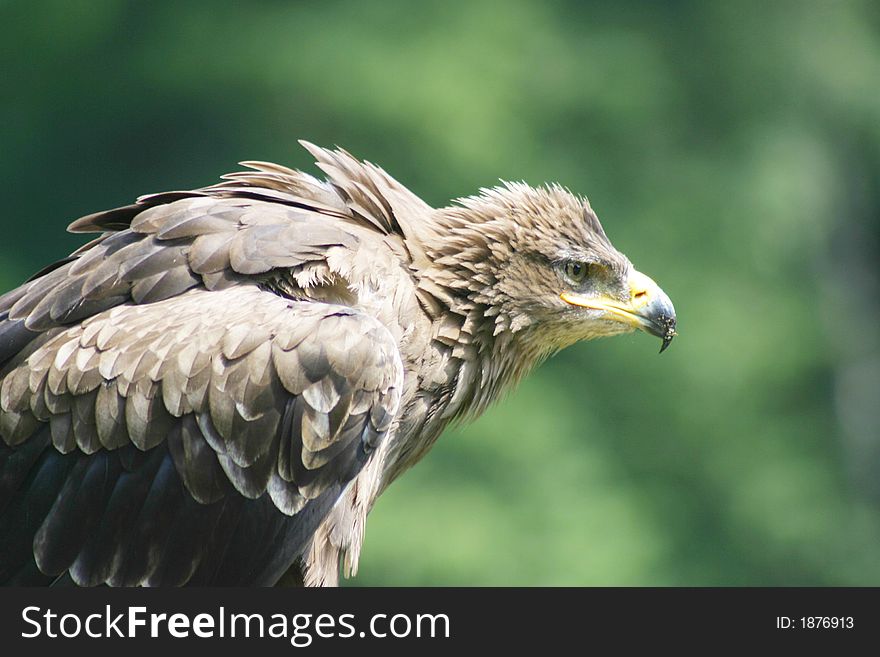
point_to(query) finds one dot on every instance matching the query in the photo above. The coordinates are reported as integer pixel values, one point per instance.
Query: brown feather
(280, 334)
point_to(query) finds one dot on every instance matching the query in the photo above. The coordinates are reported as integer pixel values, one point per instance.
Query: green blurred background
(732, 150)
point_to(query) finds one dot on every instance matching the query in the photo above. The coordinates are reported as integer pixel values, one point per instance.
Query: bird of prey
(217, 388)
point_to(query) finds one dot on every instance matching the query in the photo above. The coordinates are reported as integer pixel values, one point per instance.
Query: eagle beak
(648, 308)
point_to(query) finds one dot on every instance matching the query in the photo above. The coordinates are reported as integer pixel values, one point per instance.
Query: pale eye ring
(575, 270)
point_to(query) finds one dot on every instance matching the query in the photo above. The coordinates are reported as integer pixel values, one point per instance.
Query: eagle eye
(575, 270)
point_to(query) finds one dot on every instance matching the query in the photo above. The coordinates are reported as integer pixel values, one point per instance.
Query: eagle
(218, 387)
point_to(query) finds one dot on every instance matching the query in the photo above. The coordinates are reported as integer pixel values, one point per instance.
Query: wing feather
(162, 412)
(214, 380)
